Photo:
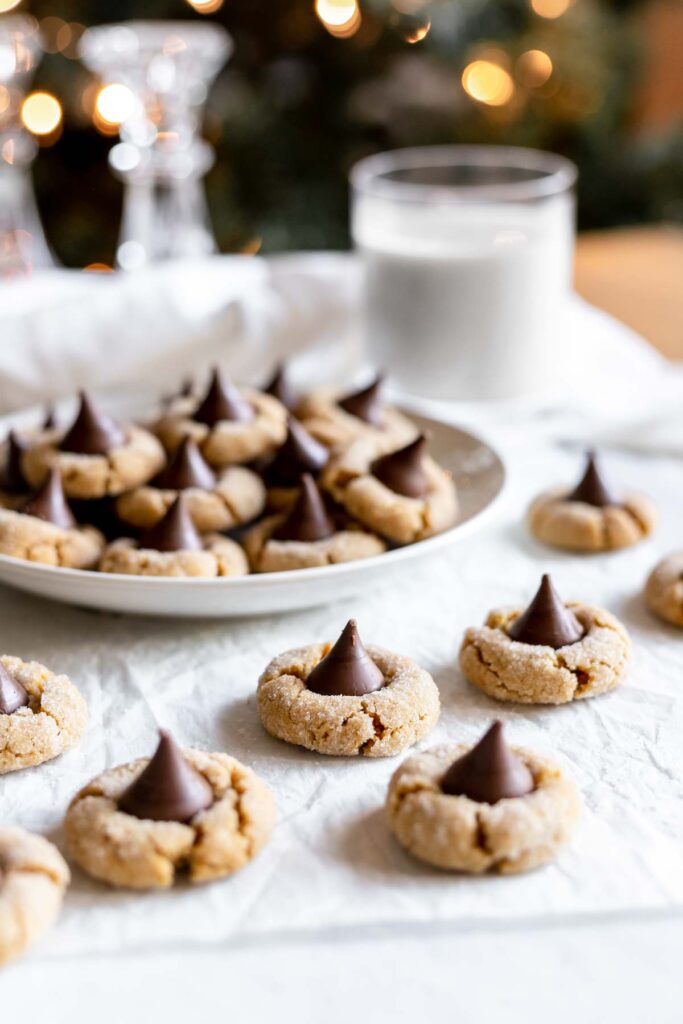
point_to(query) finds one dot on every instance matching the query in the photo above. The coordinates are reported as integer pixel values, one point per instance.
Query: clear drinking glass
(22, 243)
(168, 67)
(468, 258)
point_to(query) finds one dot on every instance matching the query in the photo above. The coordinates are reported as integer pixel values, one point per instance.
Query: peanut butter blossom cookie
(174, 547)
(97, 456)
(664, 589)
(336, 419)
(181, 812)
(551, 653)
(44, 529)
(33, 877)
(486, 808)
(228, 425)
(343, 699)
(215, 500)
(300, 454)
(306, 536)
(591, 517)
(41, 714)
(403, 495)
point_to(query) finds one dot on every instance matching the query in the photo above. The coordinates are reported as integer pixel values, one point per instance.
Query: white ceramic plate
(479, 475)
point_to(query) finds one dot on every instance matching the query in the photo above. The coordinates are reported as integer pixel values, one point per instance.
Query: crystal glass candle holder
(22, 243)
(168, 68)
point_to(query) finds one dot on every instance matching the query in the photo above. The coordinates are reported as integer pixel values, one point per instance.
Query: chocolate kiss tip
(92, 432)
(222, 401)
(12, 694)
(168, 788)
(347, 669)
(13, 476)
(50, 419)
(300, 453)
(308, 519)
(547, 621)
(403, 471)
(592, 488)
(49, 504)
(174, 532)
(187, 468)
(366, 404)
(489, 772)
(279, 387)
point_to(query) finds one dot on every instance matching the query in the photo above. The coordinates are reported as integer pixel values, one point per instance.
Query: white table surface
(597, 936)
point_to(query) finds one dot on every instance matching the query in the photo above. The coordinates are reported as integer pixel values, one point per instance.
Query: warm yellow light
(41, 113)
(8, 5)
(417, 34)
(535, 68)
(98, 268)
(550, 8)
(206, 6)
(336, 14)
(114, 103)
(488, 83)
(5, 98)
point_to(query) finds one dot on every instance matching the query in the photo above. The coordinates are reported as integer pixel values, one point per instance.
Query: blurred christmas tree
(316, 84)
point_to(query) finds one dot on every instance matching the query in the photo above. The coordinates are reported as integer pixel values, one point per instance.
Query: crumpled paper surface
(332, 867)
(332, 863)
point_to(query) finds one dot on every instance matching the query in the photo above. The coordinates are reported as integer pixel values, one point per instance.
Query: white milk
(464, 300)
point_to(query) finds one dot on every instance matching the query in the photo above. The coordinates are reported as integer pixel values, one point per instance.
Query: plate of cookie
(222, 501)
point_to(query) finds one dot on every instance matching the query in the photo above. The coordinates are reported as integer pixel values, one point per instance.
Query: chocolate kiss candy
(187, 468)
(50, 420)
(592, 489)
(367, 404)
(280, 388)
(546, 622)
(403, 471)
(169, 788)
(222, 402)
(92, 433)
(49, 503)
(12, 694)
(13, 477)
(489, 772)
(175, 532)
(307, 520)
(300, 453)
(347, 669)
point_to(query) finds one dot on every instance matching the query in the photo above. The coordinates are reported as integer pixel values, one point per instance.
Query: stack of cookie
(226, 482)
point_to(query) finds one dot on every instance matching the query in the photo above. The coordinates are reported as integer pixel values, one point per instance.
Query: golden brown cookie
(51, 721)
(577, 526)
(33, 878)
(540, 674)
(220, 556)
(228, 442)
(349, 478)
(238, 497)
(126, 465)
(664, 589)
(463, 834)
(33, 539)
(380, 723)
(141, 853)
(324, 418)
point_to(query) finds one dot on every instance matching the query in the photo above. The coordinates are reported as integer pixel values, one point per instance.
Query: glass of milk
(468, 257)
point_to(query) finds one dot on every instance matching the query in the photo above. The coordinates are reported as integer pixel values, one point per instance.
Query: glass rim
(557, 174)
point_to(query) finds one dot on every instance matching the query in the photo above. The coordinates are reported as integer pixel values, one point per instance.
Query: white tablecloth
(333, 918)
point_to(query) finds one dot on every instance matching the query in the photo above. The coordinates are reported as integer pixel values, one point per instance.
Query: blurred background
(314, 85)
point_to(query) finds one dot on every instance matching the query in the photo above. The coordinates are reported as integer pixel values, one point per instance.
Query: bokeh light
(98, 268)
(205, 6)
(534, 68)
(41, 113)
(488, 83)
(418, 32)
(8, 5)
(550, 8)
(341, 18)
(113, 104)
(5, 99)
